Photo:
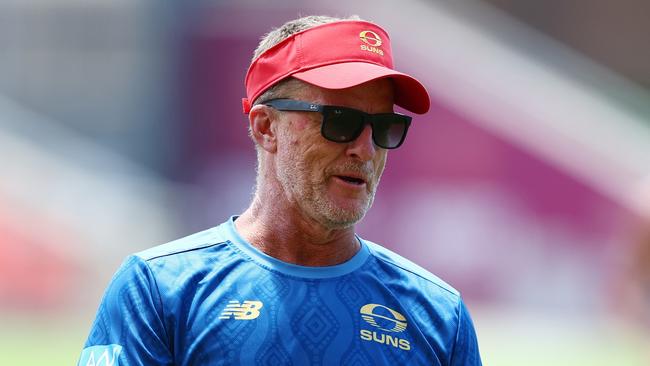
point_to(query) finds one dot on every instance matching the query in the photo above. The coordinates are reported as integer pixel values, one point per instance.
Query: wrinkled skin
(304, 210)
(307, 164)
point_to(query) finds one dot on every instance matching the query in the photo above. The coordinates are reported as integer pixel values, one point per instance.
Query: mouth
(357, 181)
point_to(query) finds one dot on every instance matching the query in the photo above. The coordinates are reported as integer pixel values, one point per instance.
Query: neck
(280, 230)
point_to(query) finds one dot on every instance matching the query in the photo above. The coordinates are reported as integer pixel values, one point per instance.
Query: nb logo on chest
(248, 310)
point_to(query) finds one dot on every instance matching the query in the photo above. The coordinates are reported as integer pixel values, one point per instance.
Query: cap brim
(410, 94)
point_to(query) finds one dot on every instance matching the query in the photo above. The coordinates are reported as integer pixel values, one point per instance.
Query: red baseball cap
(334, 55)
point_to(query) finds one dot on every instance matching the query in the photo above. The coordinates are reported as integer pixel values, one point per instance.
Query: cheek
(314, 156)
(380, 163)
(301, 134)
(319, 155)
(300, 145)
(300, 126)
(289, 138)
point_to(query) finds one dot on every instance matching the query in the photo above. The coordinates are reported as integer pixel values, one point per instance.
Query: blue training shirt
(213, 299)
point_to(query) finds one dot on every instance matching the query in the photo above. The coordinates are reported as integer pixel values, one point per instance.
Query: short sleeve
(129, 329)
(465, 352)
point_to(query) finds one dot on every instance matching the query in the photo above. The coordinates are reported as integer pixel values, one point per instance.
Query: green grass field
(507, 339)
(39, 341)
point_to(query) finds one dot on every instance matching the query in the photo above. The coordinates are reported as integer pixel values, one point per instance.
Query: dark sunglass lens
(388, 130)
(341, 125)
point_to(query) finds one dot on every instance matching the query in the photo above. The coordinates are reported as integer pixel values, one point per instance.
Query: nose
(363, 148)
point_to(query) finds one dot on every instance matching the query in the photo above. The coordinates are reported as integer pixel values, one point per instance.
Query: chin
(342, 216)
(349, 218)
(336, 211)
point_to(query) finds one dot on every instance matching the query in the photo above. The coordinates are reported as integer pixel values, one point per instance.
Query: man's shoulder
(185, 245)
(408, 268)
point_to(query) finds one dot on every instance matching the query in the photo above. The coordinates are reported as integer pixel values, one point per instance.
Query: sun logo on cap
(371, 38)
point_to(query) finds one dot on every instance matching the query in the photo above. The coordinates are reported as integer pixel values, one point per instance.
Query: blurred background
(527, 186)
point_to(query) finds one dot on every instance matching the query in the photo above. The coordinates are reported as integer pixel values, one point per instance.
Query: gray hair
(292, 27)
(278, 35)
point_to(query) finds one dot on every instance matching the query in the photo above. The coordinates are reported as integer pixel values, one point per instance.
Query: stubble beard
(310, 194)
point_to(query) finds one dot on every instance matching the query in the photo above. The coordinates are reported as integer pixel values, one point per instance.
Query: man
(288, 282)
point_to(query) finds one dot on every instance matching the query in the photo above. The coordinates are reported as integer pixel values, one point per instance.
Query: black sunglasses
(341, 124)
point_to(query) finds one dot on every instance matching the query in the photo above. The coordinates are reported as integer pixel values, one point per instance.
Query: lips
(353, 174)
(351, 179)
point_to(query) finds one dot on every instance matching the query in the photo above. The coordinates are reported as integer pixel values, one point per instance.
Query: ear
(263, 131)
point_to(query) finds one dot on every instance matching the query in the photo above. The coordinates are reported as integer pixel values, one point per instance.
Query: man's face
(332, 183)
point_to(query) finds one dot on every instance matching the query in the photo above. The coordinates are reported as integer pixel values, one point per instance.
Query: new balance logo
(248, 310)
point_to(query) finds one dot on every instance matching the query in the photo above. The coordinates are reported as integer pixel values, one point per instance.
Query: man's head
(321, 61)
(331, 53)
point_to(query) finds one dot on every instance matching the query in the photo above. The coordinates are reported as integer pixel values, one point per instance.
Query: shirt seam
(455, 294)
(199, 247)
(162, 307)
(453, 348)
